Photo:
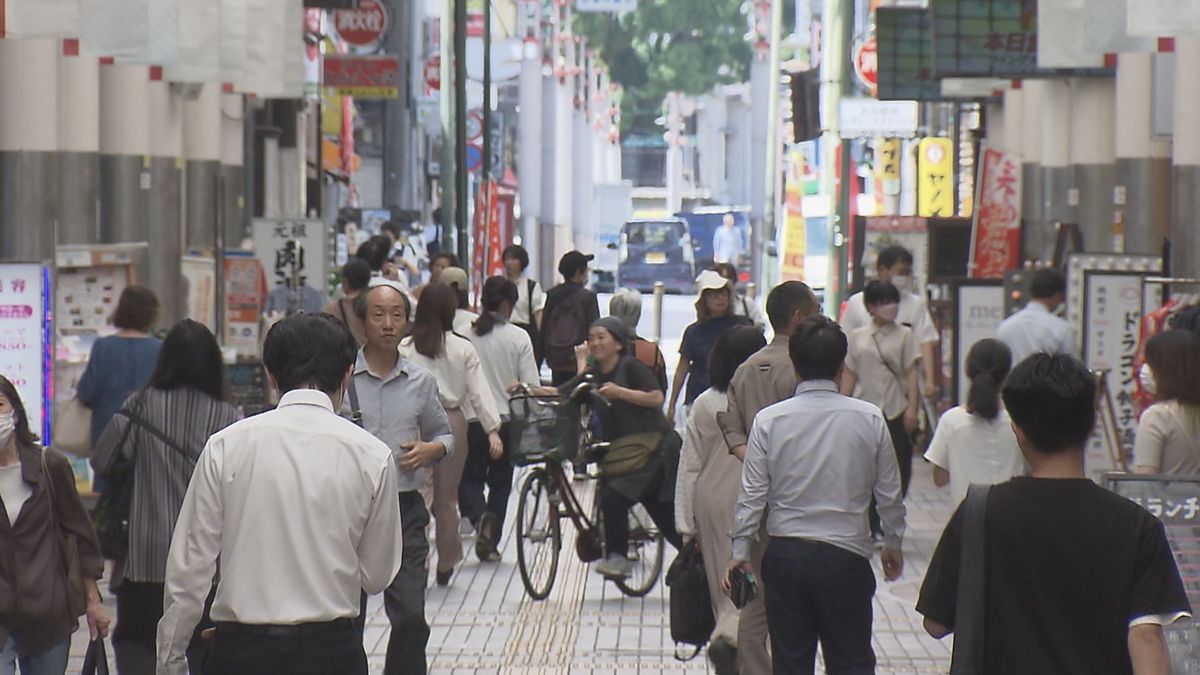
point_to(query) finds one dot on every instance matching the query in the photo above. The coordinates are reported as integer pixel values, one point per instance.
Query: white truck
(614, 206)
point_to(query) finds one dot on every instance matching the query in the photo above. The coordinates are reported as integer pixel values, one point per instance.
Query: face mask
(8, 424)
(1146, 378)
(887, 313)
(904, 284)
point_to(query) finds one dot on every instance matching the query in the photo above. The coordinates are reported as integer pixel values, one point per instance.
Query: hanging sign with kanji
(935, 171)
(997, 223)
(362, 76)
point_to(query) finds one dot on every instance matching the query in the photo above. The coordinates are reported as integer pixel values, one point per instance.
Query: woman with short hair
(1168, 434)
(714, 315)
(626, 305)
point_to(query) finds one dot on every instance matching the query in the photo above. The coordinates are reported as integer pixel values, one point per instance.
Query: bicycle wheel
(645, 554)
(538, 535)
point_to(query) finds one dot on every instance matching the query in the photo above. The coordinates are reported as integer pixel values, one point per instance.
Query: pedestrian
(402, 253)
(297, 535)
(895, 266)
(764, 379)
(812, 465)
(120, 363)
(452, 359)
(464, 318)
(707, 485)
(714, 315)
(356, 273)
(742, 306)
(38, 502)
(161, 429)
(729, 246)
(1078, 579)
(975, 443)
(440, 261)
(506, 356)
(1036, 328)
(531, 300)
(377, 252)
(570, 310)
(881, 369)
(626, 305)
(400, 406)
(633, 417)
(1168, 433)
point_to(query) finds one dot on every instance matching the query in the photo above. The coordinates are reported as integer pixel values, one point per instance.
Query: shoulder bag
(970, 597)
(692, 619)
(69, 548)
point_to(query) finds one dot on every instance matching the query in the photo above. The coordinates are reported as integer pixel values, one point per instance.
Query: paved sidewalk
(484, 623)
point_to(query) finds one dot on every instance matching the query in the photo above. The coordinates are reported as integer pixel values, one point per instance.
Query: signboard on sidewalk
(362, 76)
(978, 311)
(996, 236)
(25, 337)
(294, 254)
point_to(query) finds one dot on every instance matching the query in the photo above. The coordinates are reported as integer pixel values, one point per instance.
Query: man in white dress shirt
(1036, 329)
(299, 505)
(812, 464)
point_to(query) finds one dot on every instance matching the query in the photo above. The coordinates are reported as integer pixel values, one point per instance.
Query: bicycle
(546, 497)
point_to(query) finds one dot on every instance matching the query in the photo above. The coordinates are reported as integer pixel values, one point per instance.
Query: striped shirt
(161, 473)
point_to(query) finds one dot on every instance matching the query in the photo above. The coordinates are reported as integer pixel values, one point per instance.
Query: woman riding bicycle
(642, 456)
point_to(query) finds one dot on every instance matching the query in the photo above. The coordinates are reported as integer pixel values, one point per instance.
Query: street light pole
(460, 129)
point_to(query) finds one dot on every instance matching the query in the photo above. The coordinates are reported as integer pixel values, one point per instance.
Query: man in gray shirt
(400, 406)
(813, 463)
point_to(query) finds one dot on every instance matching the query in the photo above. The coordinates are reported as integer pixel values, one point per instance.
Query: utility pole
(485, 169)
(399, 183)
(838, 18)
(766, 274)
(460, 131)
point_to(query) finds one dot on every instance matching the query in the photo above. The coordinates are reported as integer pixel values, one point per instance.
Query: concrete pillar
(529, 142)
(125, 176)
(583, 181)
(1185, 216)
(232, 171)
(996, 129)
(1033, 197)
(1143, 163)
(1057, 185)
(28, 148)
(1093, 158)
(79, 142)
(165, 202)
(202, 157)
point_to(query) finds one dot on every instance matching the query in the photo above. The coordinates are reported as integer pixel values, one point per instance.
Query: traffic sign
(474, 159)
(474, 125)
(362, 27)
(433, 72)
(866, 63)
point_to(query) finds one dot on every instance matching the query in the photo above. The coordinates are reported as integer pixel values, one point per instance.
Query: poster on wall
(200, 275)
(24, 337)
(245, 293)
(979, 309)
(293, 254)
(996, 231)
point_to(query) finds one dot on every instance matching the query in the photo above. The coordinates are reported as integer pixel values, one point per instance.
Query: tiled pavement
(484, 623)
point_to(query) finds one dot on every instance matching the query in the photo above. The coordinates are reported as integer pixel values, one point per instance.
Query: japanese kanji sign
(935, 171)
(997, 222)
(24, 355)
(362, 76)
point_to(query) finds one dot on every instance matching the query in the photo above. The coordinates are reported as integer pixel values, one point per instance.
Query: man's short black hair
(375, 251)
(1047, 284)
(880, 293)
(518, 253)
(1052, 398)
(817, 348)
(891, 255)
(391, 226)
(309, 350)
(785, 300)
(356, 273)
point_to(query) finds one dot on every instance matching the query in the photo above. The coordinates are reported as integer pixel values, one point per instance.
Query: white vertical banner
(275, 54)
(1162, 18)
(23, 355)
(117, 28)
(1106, 29)
(199, 28)
(40, 18)
(1060, 42)
(231, 44)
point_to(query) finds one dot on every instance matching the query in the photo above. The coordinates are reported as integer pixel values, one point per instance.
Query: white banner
(1059, 40)
(232, 40)
(1162, 18)
(275, 55)
(40, 18)
(1106, 29)
(199, 28)
(116, 28)
(868, 118)
(23, 336)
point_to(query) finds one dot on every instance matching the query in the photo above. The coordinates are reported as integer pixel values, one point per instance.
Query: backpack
(647, 352)
(692, 620)
(565, 328)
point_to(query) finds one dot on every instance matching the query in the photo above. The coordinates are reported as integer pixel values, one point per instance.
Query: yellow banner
(887, 160)
(935, 178)
(795, 231)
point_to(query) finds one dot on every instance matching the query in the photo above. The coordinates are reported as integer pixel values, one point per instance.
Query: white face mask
(8, 424)
(1146, 378)
(904, 284)
(887, 313)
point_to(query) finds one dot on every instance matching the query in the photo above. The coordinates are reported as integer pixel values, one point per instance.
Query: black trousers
(139, 609)
(333, 648)
(818, 592)
(614, 506)
(902, 443)
(482, 471)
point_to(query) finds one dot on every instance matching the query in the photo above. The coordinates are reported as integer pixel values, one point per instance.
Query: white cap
(376, 282)
(710, 280)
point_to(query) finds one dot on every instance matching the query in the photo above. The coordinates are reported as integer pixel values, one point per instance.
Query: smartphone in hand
(743, 587)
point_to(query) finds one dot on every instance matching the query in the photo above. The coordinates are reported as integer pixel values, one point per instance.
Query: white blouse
(460, 378)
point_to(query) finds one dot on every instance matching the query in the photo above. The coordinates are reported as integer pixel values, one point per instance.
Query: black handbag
(967, 658)
(692, 620)
(95, 662)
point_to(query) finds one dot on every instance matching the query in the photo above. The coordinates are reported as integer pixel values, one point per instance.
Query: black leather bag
(96, 660)
(692, 619)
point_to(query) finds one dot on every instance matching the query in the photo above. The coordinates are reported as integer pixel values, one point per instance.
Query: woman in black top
(635, 409)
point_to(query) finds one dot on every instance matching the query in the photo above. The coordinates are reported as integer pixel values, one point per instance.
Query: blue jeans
(53, 661)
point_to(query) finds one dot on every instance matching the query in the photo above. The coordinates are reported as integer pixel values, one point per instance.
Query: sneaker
(614, 567)
(465, 528)
(723, 654)
(485, 538)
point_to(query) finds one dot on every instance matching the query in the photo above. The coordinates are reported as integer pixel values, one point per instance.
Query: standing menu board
(294, 252)
(1175, 500)
(25, 338)
(978, 311)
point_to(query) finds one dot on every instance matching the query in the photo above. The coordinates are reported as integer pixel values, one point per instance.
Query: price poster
(24, 327)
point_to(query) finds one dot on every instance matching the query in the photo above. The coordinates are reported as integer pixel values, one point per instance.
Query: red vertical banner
(996, 240)
(479, 239)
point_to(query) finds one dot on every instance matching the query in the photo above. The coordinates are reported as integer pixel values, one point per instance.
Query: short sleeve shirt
(697, 344)
(881, 356)
(1069, 566)
(1168, 438)
(521, 314)
(975, 450)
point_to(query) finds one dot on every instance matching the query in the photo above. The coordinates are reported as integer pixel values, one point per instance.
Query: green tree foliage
(668, 45)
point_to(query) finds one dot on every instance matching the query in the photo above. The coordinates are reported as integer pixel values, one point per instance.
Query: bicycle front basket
(535, 432)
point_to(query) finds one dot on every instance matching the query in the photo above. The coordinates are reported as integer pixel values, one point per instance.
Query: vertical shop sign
(795, 233)
(935, 168)
(996, 237)
(24, 324)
